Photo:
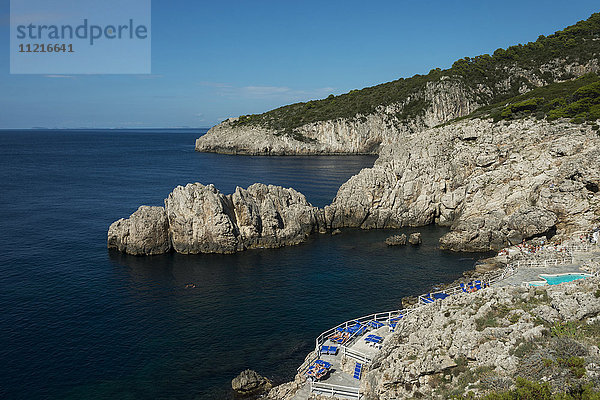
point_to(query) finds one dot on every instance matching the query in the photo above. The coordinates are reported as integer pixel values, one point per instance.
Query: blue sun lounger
(357, 371)
(464, 289)
(375, 324)
(333, 350)
(427, 299)
(440, 296)
(323, 363)
(478, 285)
(394, 322)
(357, 328)
(325, 349)
(318, 369)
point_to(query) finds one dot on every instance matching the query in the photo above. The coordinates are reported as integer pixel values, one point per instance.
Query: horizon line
(40, 128)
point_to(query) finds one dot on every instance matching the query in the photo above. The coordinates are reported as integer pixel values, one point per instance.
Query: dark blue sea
(80, 322)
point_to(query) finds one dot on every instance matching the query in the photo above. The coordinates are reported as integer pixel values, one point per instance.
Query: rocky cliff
(473, 344)
(363, 134)
(439, 101)
(493, 183)
(483, 343)
(200, 219)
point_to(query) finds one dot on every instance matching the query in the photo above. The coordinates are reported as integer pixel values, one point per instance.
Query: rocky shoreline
(493, 184)
(473, 344)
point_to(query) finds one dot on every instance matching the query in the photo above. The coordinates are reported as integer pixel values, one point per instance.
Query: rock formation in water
(249, 383)
(145, 232)
(415, 239)
(396, 240)
(496, 178)
(200, 219)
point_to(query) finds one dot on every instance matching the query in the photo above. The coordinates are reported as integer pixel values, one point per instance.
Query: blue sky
(213, 60)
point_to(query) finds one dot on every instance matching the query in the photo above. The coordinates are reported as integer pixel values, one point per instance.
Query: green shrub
(486, 322)
(525, 348)
(525, 106)
(567, 329)
(575, 364)
(528, 390)
(577, 100)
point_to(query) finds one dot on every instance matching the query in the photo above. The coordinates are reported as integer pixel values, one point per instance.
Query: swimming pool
(558, 279)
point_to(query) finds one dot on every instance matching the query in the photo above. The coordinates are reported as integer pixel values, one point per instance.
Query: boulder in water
(396, 240)
(415, 239)
(249, 383)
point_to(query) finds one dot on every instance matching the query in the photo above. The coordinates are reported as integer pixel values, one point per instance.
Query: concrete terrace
(532, 274)
(529, 274)
(338, 377)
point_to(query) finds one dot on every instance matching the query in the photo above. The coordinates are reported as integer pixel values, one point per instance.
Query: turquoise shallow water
(79, 321)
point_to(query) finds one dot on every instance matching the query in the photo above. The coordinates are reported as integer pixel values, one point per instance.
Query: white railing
(533, 263)
(380, 317)
(388, 315)
(357, 355)
(307, 363)
(579, 247)
(335, 390)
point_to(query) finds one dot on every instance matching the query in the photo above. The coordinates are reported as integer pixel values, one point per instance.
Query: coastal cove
(82, 321)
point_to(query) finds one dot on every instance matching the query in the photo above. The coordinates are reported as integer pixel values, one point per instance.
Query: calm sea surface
(78, 321)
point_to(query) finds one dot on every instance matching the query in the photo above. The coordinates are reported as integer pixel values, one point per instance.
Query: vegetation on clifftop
(541, 391)
(577, 43)
(578, 100)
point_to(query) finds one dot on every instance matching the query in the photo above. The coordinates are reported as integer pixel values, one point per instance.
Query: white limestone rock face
(146, 232)
(573, 304)
(445, 99)
(530, 189)
(538, 178)
(200, 219)
(363, 134)
(272, 216)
